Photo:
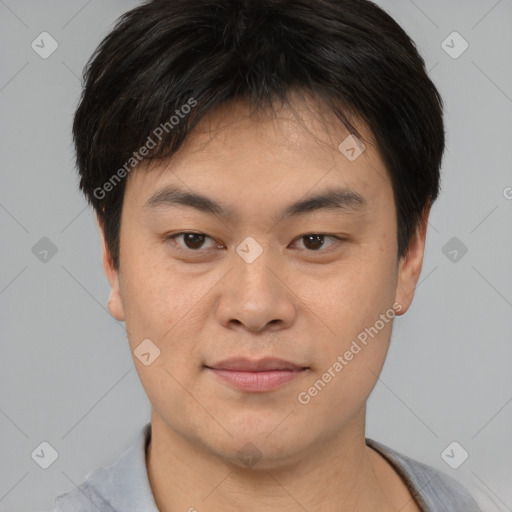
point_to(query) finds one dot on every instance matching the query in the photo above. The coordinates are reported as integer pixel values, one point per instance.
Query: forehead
(295, 146)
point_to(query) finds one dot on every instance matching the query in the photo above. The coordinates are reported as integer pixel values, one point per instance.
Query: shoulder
(121, 486)
(82, 499)
(435, 491)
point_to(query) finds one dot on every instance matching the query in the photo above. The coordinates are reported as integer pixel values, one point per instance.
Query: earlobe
(410, 266)
(114, 304)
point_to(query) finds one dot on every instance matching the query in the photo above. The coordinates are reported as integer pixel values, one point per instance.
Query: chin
(257, 450)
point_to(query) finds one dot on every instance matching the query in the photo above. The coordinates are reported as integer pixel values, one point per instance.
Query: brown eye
(313, 242)
(191, 241)
(316, 241)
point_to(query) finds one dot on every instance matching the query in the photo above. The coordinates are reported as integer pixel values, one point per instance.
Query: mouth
(257, 376)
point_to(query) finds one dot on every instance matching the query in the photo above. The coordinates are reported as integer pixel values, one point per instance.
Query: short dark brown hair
(164, 55)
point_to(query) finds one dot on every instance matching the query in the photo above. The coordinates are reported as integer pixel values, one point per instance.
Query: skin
(292, 302)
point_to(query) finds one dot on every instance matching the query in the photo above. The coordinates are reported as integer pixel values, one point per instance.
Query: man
(262, 174)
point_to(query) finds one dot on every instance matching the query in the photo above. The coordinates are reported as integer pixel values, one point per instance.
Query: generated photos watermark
(138, 156)
(305, 397)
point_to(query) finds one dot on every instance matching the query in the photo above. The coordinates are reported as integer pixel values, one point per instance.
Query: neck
(338, 474)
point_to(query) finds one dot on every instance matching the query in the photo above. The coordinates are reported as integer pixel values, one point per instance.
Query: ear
(410, 265)
(115, 304)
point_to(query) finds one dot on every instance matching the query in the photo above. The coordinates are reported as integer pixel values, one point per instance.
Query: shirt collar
(124, 485)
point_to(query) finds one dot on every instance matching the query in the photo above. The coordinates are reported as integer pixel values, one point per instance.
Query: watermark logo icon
(44, 455)
(454, 45)
(454, 249)
(454, 455)
(249, 455)
(44, 45)
(146, 352)
(44, 250)
(249, 249)
(351, 147)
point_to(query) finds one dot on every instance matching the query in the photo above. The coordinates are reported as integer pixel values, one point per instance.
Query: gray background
(67, 377)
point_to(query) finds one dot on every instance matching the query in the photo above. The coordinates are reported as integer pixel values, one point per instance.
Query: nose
(255, 295)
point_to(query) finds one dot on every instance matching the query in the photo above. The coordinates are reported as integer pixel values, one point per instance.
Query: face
(270, 297)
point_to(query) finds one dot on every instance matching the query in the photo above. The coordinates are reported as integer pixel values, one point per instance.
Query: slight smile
(257, 376)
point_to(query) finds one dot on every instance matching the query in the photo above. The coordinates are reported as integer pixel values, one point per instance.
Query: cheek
(153, 297)
(347, 369)
(354, 316)
(168, 308)
(353, 297)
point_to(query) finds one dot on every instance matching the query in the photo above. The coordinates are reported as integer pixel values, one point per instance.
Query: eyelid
(186, 249)
(332, 246)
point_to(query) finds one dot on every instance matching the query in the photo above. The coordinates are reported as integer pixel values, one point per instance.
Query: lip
(243, 364)
(257, 376)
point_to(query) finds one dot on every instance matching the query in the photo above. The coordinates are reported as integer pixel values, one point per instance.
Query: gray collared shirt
(124, 485)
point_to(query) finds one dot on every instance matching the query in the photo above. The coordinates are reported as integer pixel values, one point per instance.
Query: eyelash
(199, 251)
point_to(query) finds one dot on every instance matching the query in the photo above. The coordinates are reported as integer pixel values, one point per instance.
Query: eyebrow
(339, 199)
